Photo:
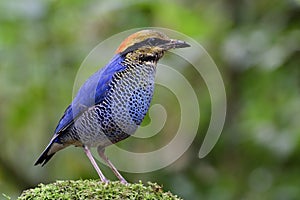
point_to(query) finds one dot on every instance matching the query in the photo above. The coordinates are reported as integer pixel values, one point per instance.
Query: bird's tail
(50, 150)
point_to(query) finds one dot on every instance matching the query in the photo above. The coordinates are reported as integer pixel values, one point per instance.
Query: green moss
(94, 189)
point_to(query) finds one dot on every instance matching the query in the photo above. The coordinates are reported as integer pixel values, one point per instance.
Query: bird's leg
(111, 166)
(89, 155)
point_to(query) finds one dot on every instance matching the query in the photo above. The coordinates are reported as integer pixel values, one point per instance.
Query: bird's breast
(121, 111)
(130, 96)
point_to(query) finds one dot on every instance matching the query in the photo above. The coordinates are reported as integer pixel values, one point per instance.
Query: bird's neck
(135, 64)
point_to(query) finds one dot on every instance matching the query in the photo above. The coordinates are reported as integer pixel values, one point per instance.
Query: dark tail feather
(50, 150)
(44, 158)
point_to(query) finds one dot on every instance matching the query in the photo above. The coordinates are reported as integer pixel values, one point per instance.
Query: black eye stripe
(155, 41)
(147, 42)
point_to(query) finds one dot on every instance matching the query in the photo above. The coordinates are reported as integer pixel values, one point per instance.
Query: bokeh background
(255, 45)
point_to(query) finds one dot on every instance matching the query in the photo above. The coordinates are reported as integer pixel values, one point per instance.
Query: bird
(112, 103)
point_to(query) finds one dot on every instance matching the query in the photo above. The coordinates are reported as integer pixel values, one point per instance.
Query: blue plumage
(113, 102)
(91, 92)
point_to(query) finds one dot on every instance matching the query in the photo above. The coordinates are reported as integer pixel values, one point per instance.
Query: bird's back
(119, 112)
(113, 102)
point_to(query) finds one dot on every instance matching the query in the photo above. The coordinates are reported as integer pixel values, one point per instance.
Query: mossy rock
(94, 189)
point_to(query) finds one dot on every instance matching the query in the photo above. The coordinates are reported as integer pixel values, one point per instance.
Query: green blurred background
(255, 45)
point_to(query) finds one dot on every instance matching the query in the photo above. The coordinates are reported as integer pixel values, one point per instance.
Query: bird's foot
(123, 181)
(105, 181)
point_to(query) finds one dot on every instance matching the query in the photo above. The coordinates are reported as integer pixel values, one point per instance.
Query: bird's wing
(91, 93)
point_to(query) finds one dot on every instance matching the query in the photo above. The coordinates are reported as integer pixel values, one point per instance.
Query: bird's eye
(152, 41)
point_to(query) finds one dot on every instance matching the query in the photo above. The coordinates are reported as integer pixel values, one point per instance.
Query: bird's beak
(174, 44)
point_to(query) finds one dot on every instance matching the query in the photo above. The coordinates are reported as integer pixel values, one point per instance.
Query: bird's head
(148, 46)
